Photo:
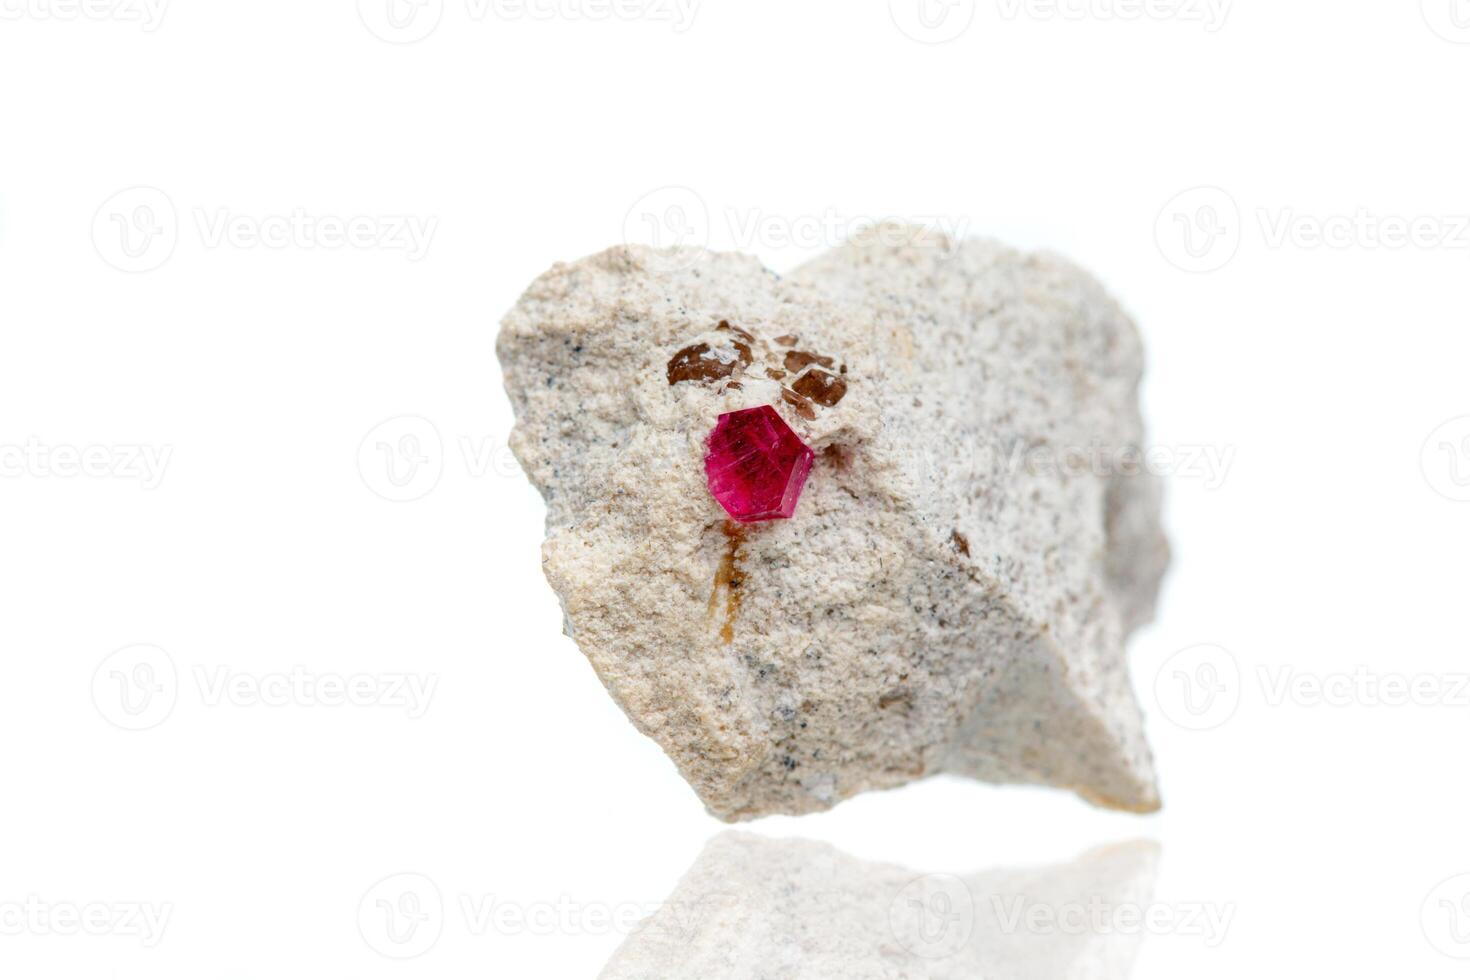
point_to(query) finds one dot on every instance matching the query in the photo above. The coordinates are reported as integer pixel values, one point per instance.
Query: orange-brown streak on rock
(729, 577)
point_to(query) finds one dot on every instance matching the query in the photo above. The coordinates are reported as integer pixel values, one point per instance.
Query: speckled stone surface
(759, 909)
(955, 587)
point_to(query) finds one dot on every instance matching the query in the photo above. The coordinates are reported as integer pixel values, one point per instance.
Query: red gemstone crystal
(756, 466)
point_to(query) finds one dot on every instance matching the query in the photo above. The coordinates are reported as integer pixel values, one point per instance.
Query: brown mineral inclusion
(694, 363)
(820, 387)
(801, 403)
(798, 359)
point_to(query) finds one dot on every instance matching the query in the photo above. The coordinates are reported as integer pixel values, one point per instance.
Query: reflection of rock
(759, 909)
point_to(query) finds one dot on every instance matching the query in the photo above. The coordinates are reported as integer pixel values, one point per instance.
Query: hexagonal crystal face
(756, 466)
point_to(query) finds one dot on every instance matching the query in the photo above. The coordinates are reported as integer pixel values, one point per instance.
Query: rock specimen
(974, 542)
(752, 908)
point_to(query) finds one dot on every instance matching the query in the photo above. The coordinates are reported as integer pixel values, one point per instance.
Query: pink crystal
(756, 466)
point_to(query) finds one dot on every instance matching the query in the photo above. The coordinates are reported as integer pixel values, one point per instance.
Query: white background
(1323, 370)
